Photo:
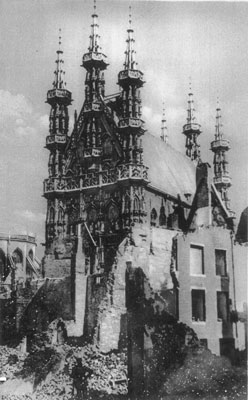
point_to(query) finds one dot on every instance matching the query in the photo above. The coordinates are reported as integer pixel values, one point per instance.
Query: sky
(175, 42)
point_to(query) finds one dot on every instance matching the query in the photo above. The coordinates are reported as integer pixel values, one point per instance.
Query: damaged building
(118, 196)
(134, 228)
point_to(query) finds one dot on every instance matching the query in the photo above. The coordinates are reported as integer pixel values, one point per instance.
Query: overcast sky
(174, 41)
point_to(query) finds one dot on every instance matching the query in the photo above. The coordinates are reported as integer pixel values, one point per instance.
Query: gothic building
(120, 198)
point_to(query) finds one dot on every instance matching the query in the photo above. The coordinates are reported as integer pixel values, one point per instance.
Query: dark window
(198, 305)
(220, 262)
(31, 254)
(222, 305)
(196, 260)
(162, 217)
(204, 343)
(153, 217)
(17, 256)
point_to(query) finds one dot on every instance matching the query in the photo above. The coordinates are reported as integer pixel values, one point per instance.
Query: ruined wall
(56, 268)
(156, 340)
(147, 248)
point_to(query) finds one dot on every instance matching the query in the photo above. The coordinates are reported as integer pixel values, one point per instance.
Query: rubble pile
(11, 361)
(50, 371)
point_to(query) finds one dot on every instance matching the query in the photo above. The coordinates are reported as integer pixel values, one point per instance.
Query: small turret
(219, 147)
(192, 130)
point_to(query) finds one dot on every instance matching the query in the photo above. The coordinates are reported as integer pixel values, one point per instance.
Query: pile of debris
(50, 371)
(11, 361)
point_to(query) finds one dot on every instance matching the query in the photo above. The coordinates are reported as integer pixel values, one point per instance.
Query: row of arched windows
(17, 256)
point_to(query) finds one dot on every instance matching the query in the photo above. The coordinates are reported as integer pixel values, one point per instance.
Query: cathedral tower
(192, 130)
(219, 147)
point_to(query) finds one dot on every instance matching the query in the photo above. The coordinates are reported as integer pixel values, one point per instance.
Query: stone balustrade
(220, 144)
(96, 178)
(55, 139)
(191, 127)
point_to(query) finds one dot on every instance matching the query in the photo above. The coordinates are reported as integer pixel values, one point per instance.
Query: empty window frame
(196, 260)
(198, 305)
(220, 262)
(222, 306)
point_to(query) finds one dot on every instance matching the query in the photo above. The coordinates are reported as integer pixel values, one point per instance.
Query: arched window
(31, 254)
(162, 217)
(127, 204)
(51, 215)
(60, 215)
(113, 212)
(153, 217)
(136, 205)
(107, 148)
(17, 256)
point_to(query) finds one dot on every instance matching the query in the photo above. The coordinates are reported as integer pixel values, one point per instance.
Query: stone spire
(59, 72)
(59, 98)
(219, 147)
(192, 130)
(164, 135)
(130, 80)
(95, 62)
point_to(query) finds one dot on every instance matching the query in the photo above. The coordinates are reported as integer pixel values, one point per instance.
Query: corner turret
(192, 130)
(219, 147)
(130, 79)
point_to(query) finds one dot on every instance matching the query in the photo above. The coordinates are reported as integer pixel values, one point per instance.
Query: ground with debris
(46, 374)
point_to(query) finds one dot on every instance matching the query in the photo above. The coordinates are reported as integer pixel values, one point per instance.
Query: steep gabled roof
(169, 170)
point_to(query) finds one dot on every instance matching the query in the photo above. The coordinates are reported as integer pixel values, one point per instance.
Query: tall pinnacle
(94, 37)
(59, 72)
(130, 62)
(219, 147)
(218, 125)
(192, 130)
(164, 136)
(191, 110)
(94, 58)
